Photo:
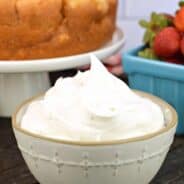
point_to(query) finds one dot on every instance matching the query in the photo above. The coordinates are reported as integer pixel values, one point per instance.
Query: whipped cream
(92, 106)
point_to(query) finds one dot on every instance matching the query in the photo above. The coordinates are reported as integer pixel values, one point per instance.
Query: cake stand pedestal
(16, 87)
(20, 80)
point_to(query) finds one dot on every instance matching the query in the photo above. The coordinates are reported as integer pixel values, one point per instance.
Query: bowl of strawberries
(157, 67)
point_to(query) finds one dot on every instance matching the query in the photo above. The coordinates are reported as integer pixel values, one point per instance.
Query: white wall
(131, 11)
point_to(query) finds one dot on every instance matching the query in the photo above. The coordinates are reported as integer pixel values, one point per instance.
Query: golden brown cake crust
(33, 29)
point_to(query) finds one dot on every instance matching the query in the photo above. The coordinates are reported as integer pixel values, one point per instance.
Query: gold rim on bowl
(171, 124)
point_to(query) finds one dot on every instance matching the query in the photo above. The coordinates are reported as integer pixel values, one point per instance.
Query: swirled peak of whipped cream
(92, 106)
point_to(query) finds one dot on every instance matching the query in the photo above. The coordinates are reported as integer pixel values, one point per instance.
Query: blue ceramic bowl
(162, 79)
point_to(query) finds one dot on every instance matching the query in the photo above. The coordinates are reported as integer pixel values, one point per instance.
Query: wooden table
(13, 169)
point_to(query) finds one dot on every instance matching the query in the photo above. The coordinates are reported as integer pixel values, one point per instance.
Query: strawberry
(167, 42)
(182, 46)
(157, 22)
(179, 19)
(175, 60)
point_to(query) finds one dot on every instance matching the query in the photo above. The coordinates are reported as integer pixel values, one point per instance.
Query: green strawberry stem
(144, 24)
(147, 53)
(156, 23)
(181, 3)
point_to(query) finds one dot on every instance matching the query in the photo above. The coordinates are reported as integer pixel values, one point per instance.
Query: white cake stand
(20, 80)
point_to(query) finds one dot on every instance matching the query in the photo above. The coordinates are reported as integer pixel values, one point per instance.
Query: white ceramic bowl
(131, 161)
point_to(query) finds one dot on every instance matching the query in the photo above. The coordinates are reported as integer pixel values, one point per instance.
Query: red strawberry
(167, 42)
(179, 20)
(182, 46)
(179, 61)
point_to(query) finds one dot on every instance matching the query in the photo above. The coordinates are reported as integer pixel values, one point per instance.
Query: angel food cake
(92, 106)
(33, 29)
